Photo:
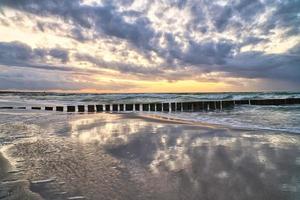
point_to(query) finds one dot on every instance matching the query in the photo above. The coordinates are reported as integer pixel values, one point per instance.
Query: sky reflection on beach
(129, 157)
(204, 163)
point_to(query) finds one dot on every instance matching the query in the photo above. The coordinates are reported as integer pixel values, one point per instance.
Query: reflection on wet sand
(114, 156)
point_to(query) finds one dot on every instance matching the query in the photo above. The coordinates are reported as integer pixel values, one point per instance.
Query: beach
(46, 155)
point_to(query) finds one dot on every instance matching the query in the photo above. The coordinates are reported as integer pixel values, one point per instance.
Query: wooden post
(129, 107)
(60, 108)
(48, 108)
(70, 108)
(80, 108)
(91, 108)
(121, 107)
(99, 108)
(145, 107)
(6, 107)
(166, 107)
(107, 107)
(152, 107)
(158, 107)
(137, 107)
(173, 107)
(21, 108)
(115, 107)
(185, 107)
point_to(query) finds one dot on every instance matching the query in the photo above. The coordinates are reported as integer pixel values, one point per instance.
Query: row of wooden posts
(164, 107)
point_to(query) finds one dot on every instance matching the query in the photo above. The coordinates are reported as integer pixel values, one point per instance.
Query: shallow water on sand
(121, 156)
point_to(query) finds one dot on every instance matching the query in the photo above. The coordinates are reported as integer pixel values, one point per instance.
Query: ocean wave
(276, 118)
(145, 97)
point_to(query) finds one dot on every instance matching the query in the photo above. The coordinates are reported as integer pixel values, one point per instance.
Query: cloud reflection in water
(188, 162)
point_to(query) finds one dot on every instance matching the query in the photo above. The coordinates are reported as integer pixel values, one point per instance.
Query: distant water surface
(282, 118)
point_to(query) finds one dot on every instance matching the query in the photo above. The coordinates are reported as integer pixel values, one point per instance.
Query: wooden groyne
(196, 106)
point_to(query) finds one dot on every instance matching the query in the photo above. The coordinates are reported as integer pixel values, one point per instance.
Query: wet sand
(126, 156)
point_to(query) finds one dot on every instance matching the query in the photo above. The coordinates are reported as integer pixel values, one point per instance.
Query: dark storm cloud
(12, 53)
(286, 15)
(251, 40)
(31, 84)
(223, 17)
(247, 10)
(16, 78)
(121, 67)
(77, 34)
(270, 66)
(43, 26)
(295, 50)
(211, 53)
(60, 54)
(105, 19)
(15, 51)
(208, 17)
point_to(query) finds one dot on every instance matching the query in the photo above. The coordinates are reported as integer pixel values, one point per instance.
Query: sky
(119, 46)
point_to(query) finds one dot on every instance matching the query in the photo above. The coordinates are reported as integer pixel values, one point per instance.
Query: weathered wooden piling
(121, 107)
(137, 107)
(129, 107)
(254, 102)
(22, 108)
(158, 107)
(292, 101)
(115, 107)
(152, 107)
(166, 107)
(6, 107)
(218, 105)
(48, 108)
(99, 108)
(185, 106)
(145, 107)
(206, 105)
(60, 108)
(190, 106)
(279, 101)
(70, 108)
(91, 108)
(239, 102)
(212, 105)
(227, 104)
(178, 106)
(197, 106)
(80, 108)
(173, 107)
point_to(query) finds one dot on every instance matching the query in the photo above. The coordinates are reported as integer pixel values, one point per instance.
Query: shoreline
(164, 119)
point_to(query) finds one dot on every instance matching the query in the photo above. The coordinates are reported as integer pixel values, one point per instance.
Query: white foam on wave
(251, 117)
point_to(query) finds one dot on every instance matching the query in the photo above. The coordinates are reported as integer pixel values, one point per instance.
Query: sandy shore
(123, 156)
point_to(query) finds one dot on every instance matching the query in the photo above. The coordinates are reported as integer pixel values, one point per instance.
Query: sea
(278, 118)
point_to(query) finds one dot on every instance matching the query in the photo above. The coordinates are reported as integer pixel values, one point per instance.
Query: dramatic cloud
(20, 53)
(256, 41)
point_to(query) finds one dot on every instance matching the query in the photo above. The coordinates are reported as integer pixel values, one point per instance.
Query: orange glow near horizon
(163, 87)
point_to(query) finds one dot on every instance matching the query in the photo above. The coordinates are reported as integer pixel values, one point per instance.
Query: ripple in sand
(76, 197)
(15, 171)
(43, 181)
